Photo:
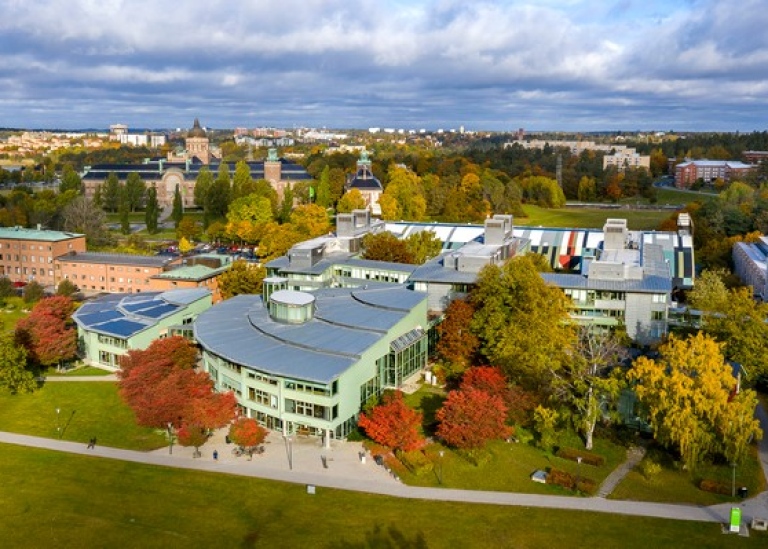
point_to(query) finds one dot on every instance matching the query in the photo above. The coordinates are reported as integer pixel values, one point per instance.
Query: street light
(289, 450)
(578, 471)
(440, 469)
(58, 423)
(733, 480)
(170, 437)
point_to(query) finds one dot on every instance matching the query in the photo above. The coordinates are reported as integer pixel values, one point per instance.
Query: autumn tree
(191, 435)
(423, 246)
(470, 417)
(14, 375)
(323, 198)
(733, 317)
(692, 403)
(241, 278)
(189, 228)
(247, 433)
(310, 220)
(47, 334)
(385, 246)
(161, 385)
(278, 239)
(393, 423)
(81, 216)
(488, 379)
(403, 198)
(110, 192)
(351, 200)
(522, 322)
(152, 210)
(457, 345)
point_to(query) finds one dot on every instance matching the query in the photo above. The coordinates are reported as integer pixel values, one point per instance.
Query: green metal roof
(21, 233)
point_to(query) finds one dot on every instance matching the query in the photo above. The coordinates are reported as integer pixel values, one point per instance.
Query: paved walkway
(634, 455)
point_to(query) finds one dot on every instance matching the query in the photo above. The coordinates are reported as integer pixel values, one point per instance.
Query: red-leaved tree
(247, 432)
(457, 345)
(47, 333)
(191, 435)
(470, 417)
(489, 379)
(394, 424)
(161, 386)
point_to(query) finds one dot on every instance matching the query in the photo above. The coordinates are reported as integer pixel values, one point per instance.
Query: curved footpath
(305, 461)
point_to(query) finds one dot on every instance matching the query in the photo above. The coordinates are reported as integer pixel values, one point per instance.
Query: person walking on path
(215, 455)
(92, 443)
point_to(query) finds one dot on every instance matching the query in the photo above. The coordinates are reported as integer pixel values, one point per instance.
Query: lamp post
(58, 422)
(170, 437)
(289, 450)
(578, 472)
(733, 480)
(440, 469)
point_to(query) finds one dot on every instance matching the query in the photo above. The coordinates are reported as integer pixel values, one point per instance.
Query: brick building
(30, 254)
(113, 273)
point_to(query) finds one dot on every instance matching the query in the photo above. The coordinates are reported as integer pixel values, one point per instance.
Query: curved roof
(346, 324)
(197, 130)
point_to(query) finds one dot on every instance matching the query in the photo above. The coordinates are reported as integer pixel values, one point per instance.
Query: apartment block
(112, 273)
(30, 254)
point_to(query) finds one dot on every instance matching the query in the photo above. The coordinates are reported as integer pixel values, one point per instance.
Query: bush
(650, 469)
(416, 462)
(477, 456)
(715, 486)
(568, 481)
(586, 457)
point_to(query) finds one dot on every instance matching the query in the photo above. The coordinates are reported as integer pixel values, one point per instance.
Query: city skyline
(569, 65)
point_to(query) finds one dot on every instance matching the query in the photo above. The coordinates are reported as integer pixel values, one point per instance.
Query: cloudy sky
(486, 65)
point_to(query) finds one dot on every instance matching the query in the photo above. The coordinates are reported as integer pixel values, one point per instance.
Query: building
(625, 283)
(368, 184)
(333, 260)
(750, 263)
(689, 172)
(303, 362)
(30, 254)
(452, 274)
(626, 158)
(113, 273)
(110, 326)
(197, 271)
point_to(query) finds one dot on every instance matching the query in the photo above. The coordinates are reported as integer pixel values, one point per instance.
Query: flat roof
(118, 259)
(44, 235)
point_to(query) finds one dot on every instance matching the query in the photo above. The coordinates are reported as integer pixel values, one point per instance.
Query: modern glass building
(302, 362)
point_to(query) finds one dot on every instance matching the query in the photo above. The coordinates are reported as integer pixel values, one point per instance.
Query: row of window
(113, 341)
(312, 388)
(32, 258)
(103, 279)
(33, 271)
(31, 247)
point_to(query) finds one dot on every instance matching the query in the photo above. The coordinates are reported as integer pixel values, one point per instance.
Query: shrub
(545, 420)
(650, 469)
(477, 456)
(586, 457)
(715, 486)
(568, 481)
(416, 462)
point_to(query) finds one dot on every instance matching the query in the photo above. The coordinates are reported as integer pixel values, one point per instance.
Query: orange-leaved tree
(470, 417)
(47, 333)
(247, 432)
(393, 423)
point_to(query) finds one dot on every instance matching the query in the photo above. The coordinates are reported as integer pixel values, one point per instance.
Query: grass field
(14, 310)
(86, 409)
(50, 499)
(79, 370)
(588, 218)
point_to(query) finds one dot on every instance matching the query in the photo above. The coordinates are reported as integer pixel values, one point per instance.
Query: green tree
(110, 192)
(241, 278)
(310, 220)
(423, 245)
(203, 184)
(323, 198)
(407, 196)
(135, 191)
(218, 197)
(286, 206)
(66, 288)
(241, 182)
(252, 208)
(33, 292)
(70, 180)
(98, 199)
(522, 322)
(124, 210)
(152, 211)
(704, 405)
(14, 375)
(178, 208)
(189, 228)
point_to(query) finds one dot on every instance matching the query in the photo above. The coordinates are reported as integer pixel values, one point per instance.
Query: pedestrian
(215, 455)
(92, 443)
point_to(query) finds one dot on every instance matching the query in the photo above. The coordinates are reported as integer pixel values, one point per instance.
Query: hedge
(586, 457)
(568, 481)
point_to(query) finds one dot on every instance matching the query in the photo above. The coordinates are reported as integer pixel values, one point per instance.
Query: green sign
(735, 519)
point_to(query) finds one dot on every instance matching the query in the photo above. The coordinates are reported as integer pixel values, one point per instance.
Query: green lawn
(14, 310)
(508, 466)
(590, 218)
(51, 499)
(79, 370)
(672, 485)
(86, 409)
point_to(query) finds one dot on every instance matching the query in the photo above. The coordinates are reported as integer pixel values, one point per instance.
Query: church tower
(197, 143)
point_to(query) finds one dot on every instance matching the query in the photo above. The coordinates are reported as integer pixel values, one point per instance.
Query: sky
(498, 65)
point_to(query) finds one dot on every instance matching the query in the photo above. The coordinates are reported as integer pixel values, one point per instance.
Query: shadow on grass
(384, 538)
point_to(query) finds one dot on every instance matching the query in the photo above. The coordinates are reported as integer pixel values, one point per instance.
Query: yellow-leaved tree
(692, 403)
